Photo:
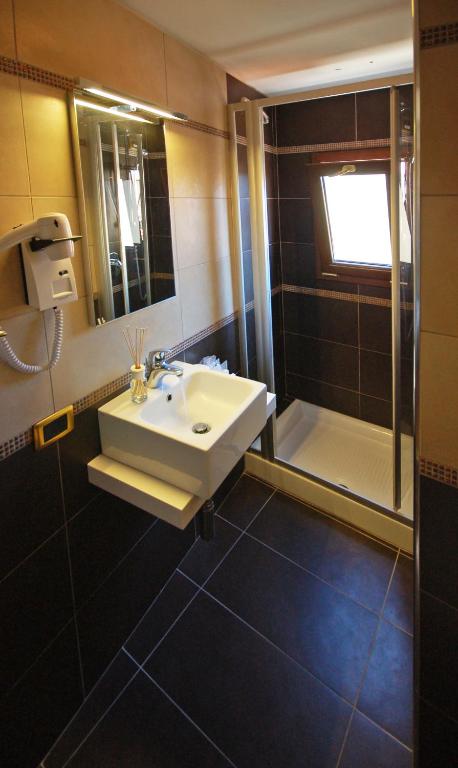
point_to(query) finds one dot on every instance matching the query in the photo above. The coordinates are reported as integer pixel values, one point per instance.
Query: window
(352, 222)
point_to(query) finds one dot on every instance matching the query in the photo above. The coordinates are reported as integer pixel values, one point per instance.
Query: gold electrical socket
(41, 436)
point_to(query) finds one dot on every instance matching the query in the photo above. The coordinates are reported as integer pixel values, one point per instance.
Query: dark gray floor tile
(399, 605)
(143, 728)
(350, 561)
(107, 689)
(258, 706)
(387, 693)
(204, 556)
(166, 608)
(321, 629)
(244, 501)
(368, 746)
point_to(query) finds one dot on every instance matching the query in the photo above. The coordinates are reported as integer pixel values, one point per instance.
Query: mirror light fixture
(112, 111)
(117, 98)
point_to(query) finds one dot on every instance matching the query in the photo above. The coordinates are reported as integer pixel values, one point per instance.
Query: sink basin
(157, 436)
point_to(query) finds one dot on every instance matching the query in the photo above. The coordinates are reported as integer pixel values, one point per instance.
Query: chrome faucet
(157, 367)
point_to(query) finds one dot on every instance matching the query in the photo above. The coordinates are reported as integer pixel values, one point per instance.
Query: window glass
(358, 218)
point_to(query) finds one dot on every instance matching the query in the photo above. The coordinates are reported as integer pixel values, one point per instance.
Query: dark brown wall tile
(376, 411)
(322, 360)
(298, 264)
(439, 540)
(293, 176)
(271, 174)
(438, 657)
(318, 392)
(323, 318)
(296, 221)
(375, 370)
(318, 121)
(373, 114)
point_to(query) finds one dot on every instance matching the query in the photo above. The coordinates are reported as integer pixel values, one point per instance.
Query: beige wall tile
(48, 139)
(197, 163)
(99, 40)
(207, 296)
(7, 44)
(433, 12)
(202, 230)
(25, 399)
(13, 211)
(93, 356)
(438, 398)
(14, 178)
(195, 84)
(439, 118)
(439, 265)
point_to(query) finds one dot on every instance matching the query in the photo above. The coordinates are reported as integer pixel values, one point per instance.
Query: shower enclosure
(322, 191)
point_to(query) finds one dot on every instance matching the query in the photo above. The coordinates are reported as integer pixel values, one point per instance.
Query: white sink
(156, 437)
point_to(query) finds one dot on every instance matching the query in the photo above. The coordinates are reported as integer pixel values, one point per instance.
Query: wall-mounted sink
(157, 437)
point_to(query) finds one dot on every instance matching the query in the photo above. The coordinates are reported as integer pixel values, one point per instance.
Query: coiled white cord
(9, 356)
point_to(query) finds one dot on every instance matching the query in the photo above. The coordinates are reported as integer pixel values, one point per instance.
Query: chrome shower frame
(253, 111)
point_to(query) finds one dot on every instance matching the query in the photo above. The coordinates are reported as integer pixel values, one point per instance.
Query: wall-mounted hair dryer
(47, 249)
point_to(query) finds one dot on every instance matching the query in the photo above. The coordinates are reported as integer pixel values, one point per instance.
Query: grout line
(70, 573)
(439, 710)
(154, 649)
(315, 575)
(228, 522)
(439, 600)
(380, 727)
(337, 520)
(102, 717)
(164, 587)
(32, 553)
(116, 567)
(183, 712)
(294, 661)
(83, 704)
(364, 674)
(4, 695)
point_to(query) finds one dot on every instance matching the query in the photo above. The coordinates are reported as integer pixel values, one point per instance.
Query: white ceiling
(278, 46)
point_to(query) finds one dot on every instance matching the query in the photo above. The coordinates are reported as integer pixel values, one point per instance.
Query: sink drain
(201, 428)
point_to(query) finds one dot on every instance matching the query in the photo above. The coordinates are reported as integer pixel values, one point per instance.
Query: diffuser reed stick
(137, 385)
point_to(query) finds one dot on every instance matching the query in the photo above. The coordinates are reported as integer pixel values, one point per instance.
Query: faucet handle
(157, 357)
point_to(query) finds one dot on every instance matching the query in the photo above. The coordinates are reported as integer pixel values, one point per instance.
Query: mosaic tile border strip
(440, 472)
(46, 77)
(332, 147)
(441, 34)
(353, 297)
(38, 75)
(15, 444)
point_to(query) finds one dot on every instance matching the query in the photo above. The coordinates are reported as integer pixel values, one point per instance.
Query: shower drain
(201, 428)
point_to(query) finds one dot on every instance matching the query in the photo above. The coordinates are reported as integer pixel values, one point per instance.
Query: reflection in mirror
(126, 203)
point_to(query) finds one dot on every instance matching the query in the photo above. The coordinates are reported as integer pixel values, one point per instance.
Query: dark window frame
(367, 161)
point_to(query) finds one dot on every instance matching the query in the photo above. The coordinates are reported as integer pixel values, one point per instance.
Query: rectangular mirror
(124, 201)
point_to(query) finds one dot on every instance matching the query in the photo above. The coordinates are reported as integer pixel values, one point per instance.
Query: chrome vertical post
(395, 292)
(237, 237)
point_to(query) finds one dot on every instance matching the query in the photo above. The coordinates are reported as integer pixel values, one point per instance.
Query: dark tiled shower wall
(78, 569)
(337, 353)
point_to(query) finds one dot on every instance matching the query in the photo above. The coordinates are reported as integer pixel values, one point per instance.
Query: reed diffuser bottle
(138, 390)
